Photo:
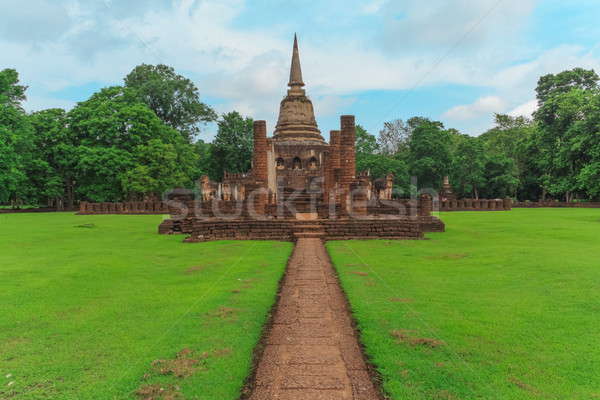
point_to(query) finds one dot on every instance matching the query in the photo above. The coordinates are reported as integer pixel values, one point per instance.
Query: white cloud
(482, 106)
(388, 45)
(439, 25)
(525, 109)
(331, 105)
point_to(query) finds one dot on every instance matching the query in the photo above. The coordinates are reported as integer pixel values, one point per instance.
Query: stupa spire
(296, 82)
(296, 115)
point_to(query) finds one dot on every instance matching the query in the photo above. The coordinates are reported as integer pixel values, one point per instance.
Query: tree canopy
(429, 154)
(233, 147)
(125, 142)
(16, 147)
(173, 98)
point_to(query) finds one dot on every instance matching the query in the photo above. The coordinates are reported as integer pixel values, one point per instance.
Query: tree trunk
(476, 193)
(70, 192)
(59, 204)
(544, 194)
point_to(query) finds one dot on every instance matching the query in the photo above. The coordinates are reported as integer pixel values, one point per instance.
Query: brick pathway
(311, 351)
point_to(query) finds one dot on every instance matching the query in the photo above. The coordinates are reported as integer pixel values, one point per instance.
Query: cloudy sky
(457, 61)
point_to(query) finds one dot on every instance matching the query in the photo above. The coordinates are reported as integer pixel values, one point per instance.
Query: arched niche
(296, 163)
(280, 163)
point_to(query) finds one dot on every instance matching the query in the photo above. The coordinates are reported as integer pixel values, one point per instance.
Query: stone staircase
(305, 202)
(309, 229)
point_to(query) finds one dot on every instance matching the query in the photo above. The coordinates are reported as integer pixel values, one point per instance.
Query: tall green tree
(562, 105)
(16, 148)
(11, 93)
(233, 146)
(500, 181)
(587, 131)
(158, 167)
(173, 98)
(429, 154)
(467, 168)
(505, 138)
(124, 149)
(202, 166)
(366, 143)
(54, 176)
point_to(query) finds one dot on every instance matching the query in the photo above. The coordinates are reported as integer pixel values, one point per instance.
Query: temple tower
(296, 114)
(299, 149)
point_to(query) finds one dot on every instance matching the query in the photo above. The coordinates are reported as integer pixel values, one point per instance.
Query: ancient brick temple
(300, 186)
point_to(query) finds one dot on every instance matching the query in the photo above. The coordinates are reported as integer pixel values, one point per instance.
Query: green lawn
(100, 306)
(504, 305)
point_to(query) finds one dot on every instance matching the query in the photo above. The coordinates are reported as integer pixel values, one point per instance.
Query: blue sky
(456, 61)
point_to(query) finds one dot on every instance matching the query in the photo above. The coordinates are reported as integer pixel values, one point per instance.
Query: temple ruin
(300, 186)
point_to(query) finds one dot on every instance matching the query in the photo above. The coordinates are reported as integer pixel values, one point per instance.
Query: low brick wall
(134, 208)
(473, 205)
(371, 229)
(284, 230)
(561, 204)
(431, 224)
(200, 230)
(34, 210)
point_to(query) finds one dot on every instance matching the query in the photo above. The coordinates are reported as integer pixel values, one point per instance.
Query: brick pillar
(82, 207)
(507, 205)
(334, 161)
(424, 205)
(260, 151)
(347, 150)
(347, 157)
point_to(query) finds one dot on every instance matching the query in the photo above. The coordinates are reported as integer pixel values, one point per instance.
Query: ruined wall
(552, 203)
(472, 205)
(133, 208)
(347, 151)
(260, 151)
(286, 230)
(334, 165)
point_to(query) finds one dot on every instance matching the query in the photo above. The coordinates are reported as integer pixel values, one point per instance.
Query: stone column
(260, 151)
(424, 205)
(347, 157)
(334, 164)
(347, 150)
(468, 204)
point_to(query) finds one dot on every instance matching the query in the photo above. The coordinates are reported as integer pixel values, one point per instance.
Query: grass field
(103, 307)
(504, 305)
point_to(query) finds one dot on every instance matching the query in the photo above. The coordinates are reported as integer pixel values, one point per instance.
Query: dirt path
(311, 351)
